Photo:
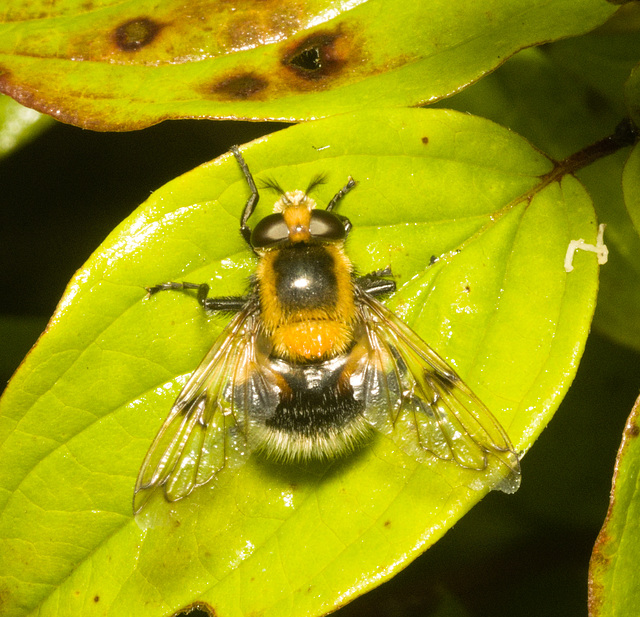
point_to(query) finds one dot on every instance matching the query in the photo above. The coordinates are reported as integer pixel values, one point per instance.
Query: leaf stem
(625, 134)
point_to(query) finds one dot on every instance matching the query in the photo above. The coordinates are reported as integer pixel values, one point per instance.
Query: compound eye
(270, 230)
(326, 226)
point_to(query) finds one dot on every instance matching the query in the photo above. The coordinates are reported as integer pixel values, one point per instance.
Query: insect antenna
(270, 183)
(315, 182)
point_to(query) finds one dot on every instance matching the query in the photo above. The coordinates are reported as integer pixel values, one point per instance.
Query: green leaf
(632, 94)
(130, 65)
(80, 414)
(18, 125)
(563, 97)
(631, 186)
(613, 572)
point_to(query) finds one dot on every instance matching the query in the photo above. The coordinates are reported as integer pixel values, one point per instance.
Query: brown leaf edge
(600, 559)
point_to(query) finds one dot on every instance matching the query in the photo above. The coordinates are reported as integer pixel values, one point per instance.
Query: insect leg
(375, 284)
(225, 303)
(340, 194)
(171, 287)
(252, 202)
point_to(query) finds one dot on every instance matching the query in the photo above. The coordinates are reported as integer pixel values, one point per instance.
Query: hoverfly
(312, 364)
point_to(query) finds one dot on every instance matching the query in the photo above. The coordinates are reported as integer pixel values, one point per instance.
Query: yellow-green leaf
(273, 539)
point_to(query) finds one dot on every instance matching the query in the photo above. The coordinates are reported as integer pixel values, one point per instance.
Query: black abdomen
(317, 415)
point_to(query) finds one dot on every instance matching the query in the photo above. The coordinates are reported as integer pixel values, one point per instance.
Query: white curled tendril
(599, 248)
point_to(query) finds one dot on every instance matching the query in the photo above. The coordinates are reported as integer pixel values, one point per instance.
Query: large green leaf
(613, 572)
(114, 65)
(79, 416)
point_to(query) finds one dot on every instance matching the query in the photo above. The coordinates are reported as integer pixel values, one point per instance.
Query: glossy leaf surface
(111, 65)
(80, 414)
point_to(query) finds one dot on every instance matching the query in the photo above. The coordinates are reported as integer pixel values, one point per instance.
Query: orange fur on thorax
(310, 334)
(311, 340)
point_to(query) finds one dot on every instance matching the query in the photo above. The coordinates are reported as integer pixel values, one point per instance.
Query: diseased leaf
(120, 66)
(613, 572)
(82, 411)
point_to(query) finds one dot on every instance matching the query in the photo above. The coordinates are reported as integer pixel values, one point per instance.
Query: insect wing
(206, 427)
(414, 396)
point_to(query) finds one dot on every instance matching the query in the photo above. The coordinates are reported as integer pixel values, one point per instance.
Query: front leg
(252, 202)
(229, 304)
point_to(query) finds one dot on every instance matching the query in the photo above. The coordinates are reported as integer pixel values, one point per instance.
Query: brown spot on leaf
(5, 76)
(597, 557)
(240, 87)
(425, 140)
(633, 430)
(96, 598)
(196, 606)
(136, 33)
(318, 56)
(387, 523)
(250, 23)
(596, 591)
(598, 565)
(34, 98)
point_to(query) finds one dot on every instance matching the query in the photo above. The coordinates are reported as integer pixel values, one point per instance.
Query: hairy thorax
(307, 301)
